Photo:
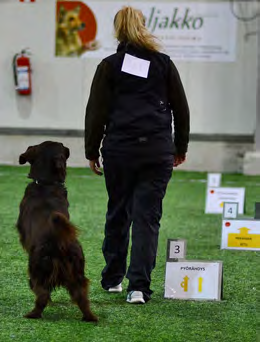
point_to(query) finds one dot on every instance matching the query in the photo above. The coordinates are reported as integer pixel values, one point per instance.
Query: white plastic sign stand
(176, 249)
(197, 280)
(257, 211)
(240, 234)
(216, 196)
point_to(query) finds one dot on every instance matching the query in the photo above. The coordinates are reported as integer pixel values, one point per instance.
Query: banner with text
(188, 31)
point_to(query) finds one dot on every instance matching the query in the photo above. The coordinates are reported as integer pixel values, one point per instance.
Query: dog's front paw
(90, 317)
(33, 315)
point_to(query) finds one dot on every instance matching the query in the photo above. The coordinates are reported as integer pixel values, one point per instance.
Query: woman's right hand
(95, 167)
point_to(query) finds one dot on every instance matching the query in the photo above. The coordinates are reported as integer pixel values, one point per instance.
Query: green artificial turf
(231, 320)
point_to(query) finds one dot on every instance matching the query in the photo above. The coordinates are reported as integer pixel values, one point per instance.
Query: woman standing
(135, 95)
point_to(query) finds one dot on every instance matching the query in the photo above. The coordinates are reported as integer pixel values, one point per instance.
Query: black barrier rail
(228, 138)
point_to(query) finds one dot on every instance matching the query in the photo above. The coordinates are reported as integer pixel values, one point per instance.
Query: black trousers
(135, 190)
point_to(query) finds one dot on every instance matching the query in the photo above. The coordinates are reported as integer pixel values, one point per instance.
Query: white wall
(57, 100)
(222, 96)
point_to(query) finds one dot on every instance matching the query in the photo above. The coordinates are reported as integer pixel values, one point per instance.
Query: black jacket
(134, 114)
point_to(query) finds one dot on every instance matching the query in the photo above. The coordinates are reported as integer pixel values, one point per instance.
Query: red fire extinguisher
(22, 73)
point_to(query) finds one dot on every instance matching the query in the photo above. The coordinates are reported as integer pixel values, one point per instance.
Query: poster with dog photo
(76, 29)
(188, 32)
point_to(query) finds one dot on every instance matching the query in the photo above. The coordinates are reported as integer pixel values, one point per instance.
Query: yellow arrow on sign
(243, 239)
(200, 281)
(184, 284)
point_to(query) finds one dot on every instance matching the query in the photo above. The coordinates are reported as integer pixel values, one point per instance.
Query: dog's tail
(63, 229)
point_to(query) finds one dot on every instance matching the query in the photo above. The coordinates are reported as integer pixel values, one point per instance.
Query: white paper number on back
(135, 66)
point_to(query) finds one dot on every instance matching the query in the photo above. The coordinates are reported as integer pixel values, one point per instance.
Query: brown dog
(55, 255)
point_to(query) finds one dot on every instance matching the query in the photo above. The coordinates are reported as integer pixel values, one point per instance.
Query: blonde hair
(129, 25)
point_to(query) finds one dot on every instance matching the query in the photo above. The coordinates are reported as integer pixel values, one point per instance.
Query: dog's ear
(61, 14)
(77, 10)
(62, 10)
(66, 152)
(27, 156)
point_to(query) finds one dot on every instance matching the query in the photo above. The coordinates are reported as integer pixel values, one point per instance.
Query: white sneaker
(116, 289)
(135, 297)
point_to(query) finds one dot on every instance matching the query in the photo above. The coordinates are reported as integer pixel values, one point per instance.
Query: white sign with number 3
(176, 249)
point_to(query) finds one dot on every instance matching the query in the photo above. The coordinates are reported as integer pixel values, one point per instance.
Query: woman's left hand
(179, 159)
